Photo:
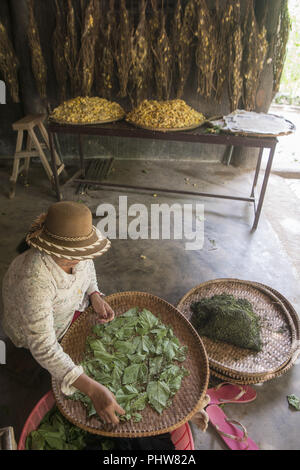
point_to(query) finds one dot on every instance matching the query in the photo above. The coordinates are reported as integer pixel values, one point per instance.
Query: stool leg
(27, 159)
(15, 172)
(59, 163)
(46, 139)
(42, 155)
(55, 175)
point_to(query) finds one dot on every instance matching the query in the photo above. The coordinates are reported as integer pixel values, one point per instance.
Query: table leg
(264, 187)
(229, 155)
(54, 168)
(257, 171)
(80, 142)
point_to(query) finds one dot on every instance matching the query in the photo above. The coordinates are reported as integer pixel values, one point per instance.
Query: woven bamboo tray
(252, 380)
(280, 332)
(165, 129)
(288, 365)
(187, 401)
(253, 134)
(106, 121)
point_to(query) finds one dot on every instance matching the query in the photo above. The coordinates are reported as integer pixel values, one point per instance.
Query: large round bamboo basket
(187, 401)
(94, 123)
(280, 332)
(167, 129)
(287, 366)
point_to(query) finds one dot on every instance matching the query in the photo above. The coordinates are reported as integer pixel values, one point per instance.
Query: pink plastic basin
(182, 437)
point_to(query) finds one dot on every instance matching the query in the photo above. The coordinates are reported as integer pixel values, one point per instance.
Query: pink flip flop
(232, 436)
(227, 392)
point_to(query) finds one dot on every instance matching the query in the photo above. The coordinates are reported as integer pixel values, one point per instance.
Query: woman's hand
(103, 400)
(105, 404)
(101, 307)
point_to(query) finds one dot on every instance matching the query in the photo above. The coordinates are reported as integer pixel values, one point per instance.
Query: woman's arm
(38, 327)
(101, 307)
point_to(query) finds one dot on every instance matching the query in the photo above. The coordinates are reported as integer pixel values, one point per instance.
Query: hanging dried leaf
(105, 50)
(9, 64)
(184, 58)
(59, 61)
(86, 58)
(162, 61)
(175, 35)
(154, 21)
(123, 48)
(141, 58)
(153, 26)
(71, 50)
(225, 21)
(206, 49)
(235, 45)
(255, 50)
(38, 64)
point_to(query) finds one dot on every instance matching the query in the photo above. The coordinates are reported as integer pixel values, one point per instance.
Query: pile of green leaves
(226, 318)
(135, 356)
(55, 432)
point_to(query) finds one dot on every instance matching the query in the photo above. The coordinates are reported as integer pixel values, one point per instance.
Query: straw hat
(66, 231)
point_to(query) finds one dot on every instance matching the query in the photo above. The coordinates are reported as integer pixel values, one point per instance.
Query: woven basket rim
(292, 320)
(171, 427)
(105, 121)
(167, 129)
(251, 380)
(257, 134)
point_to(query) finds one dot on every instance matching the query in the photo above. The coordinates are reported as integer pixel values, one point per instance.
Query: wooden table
(124, 129)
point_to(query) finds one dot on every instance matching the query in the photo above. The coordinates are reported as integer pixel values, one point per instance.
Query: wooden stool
(34, 148)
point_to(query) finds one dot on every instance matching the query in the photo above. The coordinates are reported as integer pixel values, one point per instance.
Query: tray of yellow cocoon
(87, 110)
(165, 116)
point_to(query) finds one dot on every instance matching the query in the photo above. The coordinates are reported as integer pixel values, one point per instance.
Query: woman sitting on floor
(46, 284)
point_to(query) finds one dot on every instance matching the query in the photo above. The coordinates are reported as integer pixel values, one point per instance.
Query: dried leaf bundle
(86, 58)
(162, 60)
(255, 50)
(206, 49)
(175, 37)
(71, 49)
(182, 39)
(38, 64)
(99, 46)
(141, 57)
(154, 21)
(9, 64)
(104, 67)
(235, 45)
(224, 21)
(122, 49)
(59, 61)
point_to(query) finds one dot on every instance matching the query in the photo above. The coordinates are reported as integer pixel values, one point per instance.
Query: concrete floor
(270, 255)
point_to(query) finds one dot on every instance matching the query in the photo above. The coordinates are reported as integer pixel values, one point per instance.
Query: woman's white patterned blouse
(39, 301)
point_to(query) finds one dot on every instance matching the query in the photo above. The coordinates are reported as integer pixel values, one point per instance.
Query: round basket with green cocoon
(154, 316)
(279, 332)
(287, 366)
